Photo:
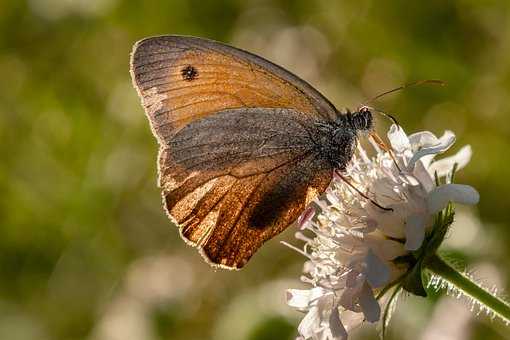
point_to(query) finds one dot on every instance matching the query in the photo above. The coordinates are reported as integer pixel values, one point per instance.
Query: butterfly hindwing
(251, 180)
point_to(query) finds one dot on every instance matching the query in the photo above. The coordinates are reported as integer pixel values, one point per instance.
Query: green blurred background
(86, 251)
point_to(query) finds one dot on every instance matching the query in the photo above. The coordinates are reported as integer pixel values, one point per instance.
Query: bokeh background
(86, 251)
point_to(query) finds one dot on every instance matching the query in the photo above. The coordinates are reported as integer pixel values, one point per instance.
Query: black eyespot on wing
(189, 73)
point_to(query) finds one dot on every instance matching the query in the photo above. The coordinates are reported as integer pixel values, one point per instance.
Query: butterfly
(244, 145)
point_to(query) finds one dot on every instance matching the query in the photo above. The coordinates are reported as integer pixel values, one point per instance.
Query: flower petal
(310, 323)
(415, 231)
(398, 139)
(377, 272)
(388, 222)
(444, 143)
(306, 217)
(385, 189)
(369, 304)
(351, 319)
(350, 297)
(353, 279)
(422, 139)
(438, 198)
(447, 139)
(338, 330)
(445, 165)
(302, 298)
(423, 175)
(385, 249)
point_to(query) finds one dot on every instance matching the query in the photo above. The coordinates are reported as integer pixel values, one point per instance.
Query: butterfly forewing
(181, 79)
(235, 169)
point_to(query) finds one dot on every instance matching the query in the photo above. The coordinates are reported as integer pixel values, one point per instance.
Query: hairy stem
(466, 286)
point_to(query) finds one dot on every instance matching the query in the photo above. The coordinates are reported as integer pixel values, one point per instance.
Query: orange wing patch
(217, 216)
(183, 79)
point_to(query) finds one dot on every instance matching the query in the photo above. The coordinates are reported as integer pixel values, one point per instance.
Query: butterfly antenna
(415, 83)
(387, 115)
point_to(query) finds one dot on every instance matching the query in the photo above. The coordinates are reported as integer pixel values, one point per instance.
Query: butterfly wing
(181, 79)
(237, 178)
(219, 186)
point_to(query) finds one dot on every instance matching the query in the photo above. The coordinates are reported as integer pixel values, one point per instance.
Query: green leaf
(454, 170)
(389, 309)
(413, 282)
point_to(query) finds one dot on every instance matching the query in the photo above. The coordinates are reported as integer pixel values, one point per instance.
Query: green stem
(469, 288)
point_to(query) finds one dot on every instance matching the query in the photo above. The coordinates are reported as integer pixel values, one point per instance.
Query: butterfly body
(244, 144)
(337, 139)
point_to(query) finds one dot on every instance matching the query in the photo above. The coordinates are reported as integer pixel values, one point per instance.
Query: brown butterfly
(244, 144)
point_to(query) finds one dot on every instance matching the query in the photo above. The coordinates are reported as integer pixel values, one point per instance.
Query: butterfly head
(362, 119)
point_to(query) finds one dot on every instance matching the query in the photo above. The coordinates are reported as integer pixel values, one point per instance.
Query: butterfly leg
(346, 180)
(378, 140)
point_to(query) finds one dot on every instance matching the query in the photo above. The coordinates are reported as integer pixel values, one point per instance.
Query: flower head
(359, 250)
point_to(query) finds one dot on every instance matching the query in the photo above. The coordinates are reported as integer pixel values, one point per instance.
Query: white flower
(358, 248)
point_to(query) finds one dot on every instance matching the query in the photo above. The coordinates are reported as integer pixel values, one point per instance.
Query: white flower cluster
(352, 254)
